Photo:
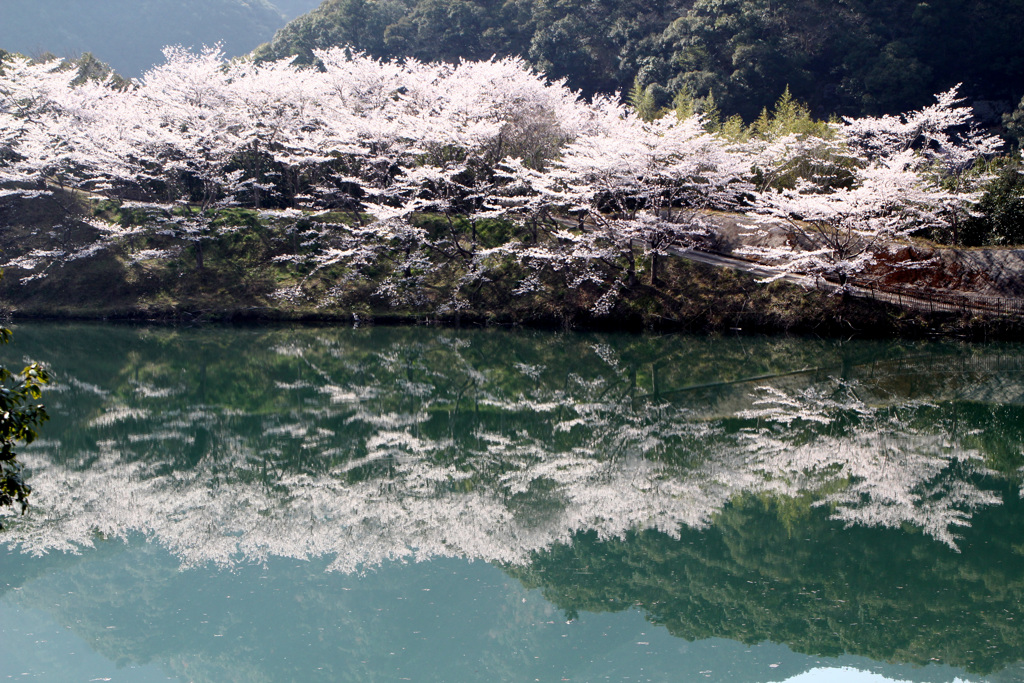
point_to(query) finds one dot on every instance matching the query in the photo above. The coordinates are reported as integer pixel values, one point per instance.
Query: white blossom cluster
(588, 183)
(907, 173)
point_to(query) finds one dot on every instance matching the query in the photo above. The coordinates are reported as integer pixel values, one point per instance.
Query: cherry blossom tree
(948, 143)
(31, 124)
(414, 138)
(636, 189)
(911, 173)
(836, 234)
(588, 193)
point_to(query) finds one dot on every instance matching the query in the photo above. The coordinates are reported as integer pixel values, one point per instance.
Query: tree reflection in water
(835, 497)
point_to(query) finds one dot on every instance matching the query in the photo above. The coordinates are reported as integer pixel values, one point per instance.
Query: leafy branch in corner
(20, 416)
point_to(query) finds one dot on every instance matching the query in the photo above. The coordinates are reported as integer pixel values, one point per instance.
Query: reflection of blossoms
(384, 456)
(810, 405)
(893, 473)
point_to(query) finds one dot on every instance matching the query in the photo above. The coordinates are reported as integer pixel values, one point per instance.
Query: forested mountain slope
(848, 57)
(129, 34)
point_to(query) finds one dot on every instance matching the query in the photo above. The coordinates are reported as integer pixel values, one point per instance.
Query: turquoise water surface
(387, 504)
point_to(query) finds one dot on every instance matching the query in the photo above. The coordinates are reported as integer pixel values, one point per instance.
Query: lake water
(254, 504)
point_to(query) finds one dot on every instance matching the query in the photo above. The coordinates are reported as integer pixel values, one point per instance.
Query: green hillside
(850, 57)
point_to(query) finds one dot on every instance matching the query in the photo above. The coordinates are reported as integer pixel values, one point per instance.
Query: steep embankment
(59, 263)
(988, 272)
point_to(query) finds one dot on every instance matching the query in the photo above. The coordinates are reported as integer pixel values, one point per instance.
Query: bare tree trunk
(630, 266)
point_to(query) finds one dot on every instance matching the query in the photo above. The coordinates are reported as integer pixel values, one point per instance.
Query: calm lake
(415, 504)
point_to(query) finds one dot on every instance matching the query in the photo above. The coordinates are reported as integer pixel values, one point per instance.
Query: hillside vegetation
(853, 57)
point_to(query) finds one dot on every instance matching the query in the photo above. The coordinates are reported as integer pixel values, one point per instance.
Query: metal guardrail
(935, 300)
(918, 298)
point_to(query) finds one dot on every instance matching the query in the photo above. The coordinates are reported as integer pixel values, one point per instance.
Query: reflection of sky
(35, 647)
(443, 621)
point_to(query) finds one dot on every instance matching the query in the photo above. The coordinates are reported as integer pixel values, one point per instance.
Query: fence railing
(907, 296)
(935, 300)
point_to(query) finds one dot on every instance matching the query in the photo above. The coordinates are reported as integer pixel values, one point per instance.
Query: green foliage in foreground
(20, 416)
